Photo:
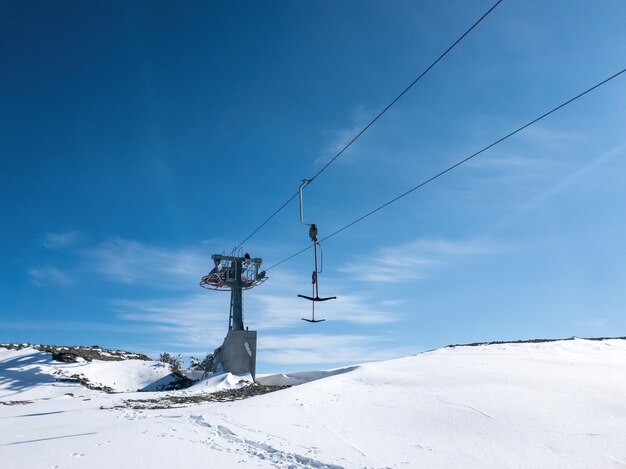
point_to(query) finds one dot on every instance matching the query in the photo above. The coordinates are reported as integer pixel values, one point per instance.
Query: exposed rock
(80, 379)
(70, 354)
(227, 395)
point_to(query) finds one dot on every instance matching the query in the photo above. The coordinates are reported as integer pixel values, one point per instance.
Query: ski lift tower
(236, 273)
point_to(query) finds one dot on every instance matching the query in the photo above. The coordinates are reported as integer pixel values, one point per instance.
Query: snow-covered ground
(555, 404)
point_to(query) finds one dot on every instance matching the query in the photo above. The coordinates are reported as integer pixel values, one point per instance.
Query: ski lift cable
(456, 165)
(378, 116)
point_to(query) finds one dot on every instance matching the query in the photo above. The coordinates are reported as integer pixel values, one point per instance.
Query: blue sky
(139, 138)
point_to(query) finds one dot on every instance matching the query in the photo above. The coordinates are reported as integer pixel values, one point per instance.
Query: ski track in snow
(466, 406)
(223, 438)
(219, 437)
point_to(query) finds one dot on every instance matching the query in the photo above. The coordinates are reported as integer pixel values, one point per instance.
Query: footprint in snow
(199, 420)
(77, 455)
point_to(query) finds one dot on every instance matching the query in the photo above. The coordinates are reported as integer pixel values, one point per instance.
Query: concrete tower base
(237, 354)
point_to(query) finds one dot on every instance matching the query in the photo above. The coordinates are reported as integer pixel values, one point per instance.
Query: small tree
(175, 361)
(195, 364)
(203, 365)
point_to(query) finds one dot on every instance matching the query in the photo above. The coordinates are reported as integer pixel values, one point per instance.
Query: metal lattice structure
(228, 270)
(235, 273)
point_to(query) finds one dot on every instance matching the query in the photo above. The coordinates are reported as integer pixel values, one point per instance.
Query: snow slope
(31, 370)
(555, 404)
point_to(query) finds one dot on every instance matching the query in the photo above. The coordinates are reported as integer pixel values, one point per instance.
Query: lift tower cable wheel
(315, 294)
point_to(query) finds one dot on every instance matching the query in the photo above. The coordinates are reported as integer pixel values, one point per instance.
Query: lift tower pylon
(235, 273)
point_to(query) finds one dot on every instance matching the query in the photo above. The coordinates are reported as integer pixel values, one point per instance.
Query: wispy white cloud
(276, 304)
(60, 240)
(360, 309)
(314, 349)
(74, 326)
(192, 321)
(200, 320)
(47, 276)
(564, 183)
(338, 139)
(273, 311)
(276, 311)
(581, 172)
(513, 162)
(416, 260)
(537, 154)
(388, 303)
(131, 262)
(546, 137)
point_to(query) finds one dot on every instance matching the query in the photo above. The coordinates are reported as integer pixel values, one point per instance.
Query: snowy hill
(548, 404)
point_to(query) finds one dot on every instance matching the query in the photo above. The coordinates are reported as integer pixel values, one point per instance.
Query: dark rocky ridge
(71, 353)
(531, 341)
